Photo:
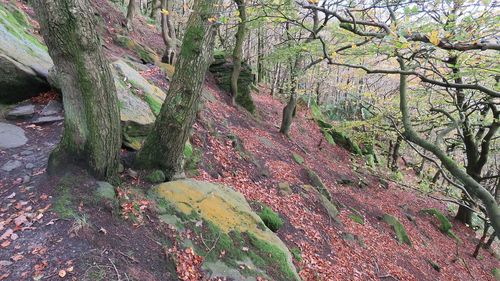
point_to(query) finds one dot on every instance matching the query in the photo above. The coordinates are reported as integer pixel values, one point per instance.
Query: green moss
(399, 229)
(298, 159)
(156, 176)
(154, 104)
(272, 258)
(357, 218)
(17, 24)
(271, 219)
(329, 138)
(190, 44)
(445, 224)
(192, 161)
(434, 265)
(496, 273)
(63, 203)
(188, 150)
(296, 253)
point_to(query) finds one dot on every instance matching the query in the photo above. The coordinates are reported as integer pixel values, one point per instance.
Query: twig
(116, 270)
(127, 256)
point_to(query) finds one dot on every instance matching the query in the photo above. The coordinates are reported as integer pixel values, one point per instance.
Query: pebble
(11, 165)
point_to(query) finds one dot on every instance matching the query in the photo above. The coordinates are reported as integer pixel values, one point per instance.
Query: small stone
(29, 166)
(11, 165)
(52, 108)
(47, 119)
(21, 112)
(26, 179)
(26, 152)
(105, 190)
(284, 188)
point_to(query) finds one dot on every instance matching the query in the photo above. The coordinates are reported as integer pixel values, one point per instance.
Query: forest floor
(53, 228)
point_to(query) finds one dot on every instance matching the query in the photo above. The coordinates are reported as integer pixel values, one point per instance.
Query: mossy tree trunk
(470, 184)
(289, 109)
(92, 119)
(164, 146)
(238, 49)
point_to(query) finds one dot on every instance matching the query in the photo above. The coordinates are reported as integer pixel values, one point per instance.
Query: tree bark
(395, 154)
(131, 12)
(169, 35)
(92, 120)
(238, 49)
(164, 146)
(155, 9)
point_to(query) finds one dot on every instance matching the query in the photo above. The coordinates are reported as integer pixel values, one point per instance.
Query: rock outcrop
(230, 212)
(24, 61)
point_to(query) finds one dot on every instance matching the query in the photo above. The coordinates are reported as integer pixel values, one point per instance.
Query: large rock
(11, 136)
(24, 61)
(222, 69)
(139, 102)
(228, 210)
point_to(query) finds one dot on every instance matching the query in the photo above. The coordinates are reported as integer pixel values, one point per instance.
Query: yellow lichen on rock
(222, 206)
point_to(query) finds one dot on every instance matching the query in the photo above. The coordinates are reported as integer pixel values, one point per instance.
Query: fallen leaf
(5, 244)
(17, 257)
(12, 195)
(62, 273)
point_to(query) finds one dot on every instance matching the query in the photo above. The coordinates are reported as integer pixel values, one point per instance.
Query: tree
(238, 48)
(92, 121)
(423, 48)
(168, 34)
(164, 146)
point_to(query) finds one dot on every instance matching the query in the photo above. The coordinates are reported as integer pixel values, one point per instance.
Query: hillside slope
(61, 227)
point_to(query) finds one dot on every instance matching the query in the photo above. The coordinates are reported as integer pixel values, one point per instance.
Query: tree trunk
(395, 154)
(238, 49)
(92, 119)
(260, 56)
(164, 146)
(155, 9)
(289, 110)
(131, 12)
(169, 35)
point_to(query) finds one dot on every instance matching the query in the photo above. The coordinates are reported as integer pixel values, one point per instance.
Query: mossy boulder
(24, 60)
(146, 54)
(316, 181)
(297, 158)
(398, 228)
(105, 190)
(222, 69)
(232, 222)
(140, 102)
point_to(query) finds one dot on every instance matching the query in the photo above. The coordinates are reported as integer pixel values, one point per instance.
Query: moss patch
(399, 229)
(298, 159)
(271, 219)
